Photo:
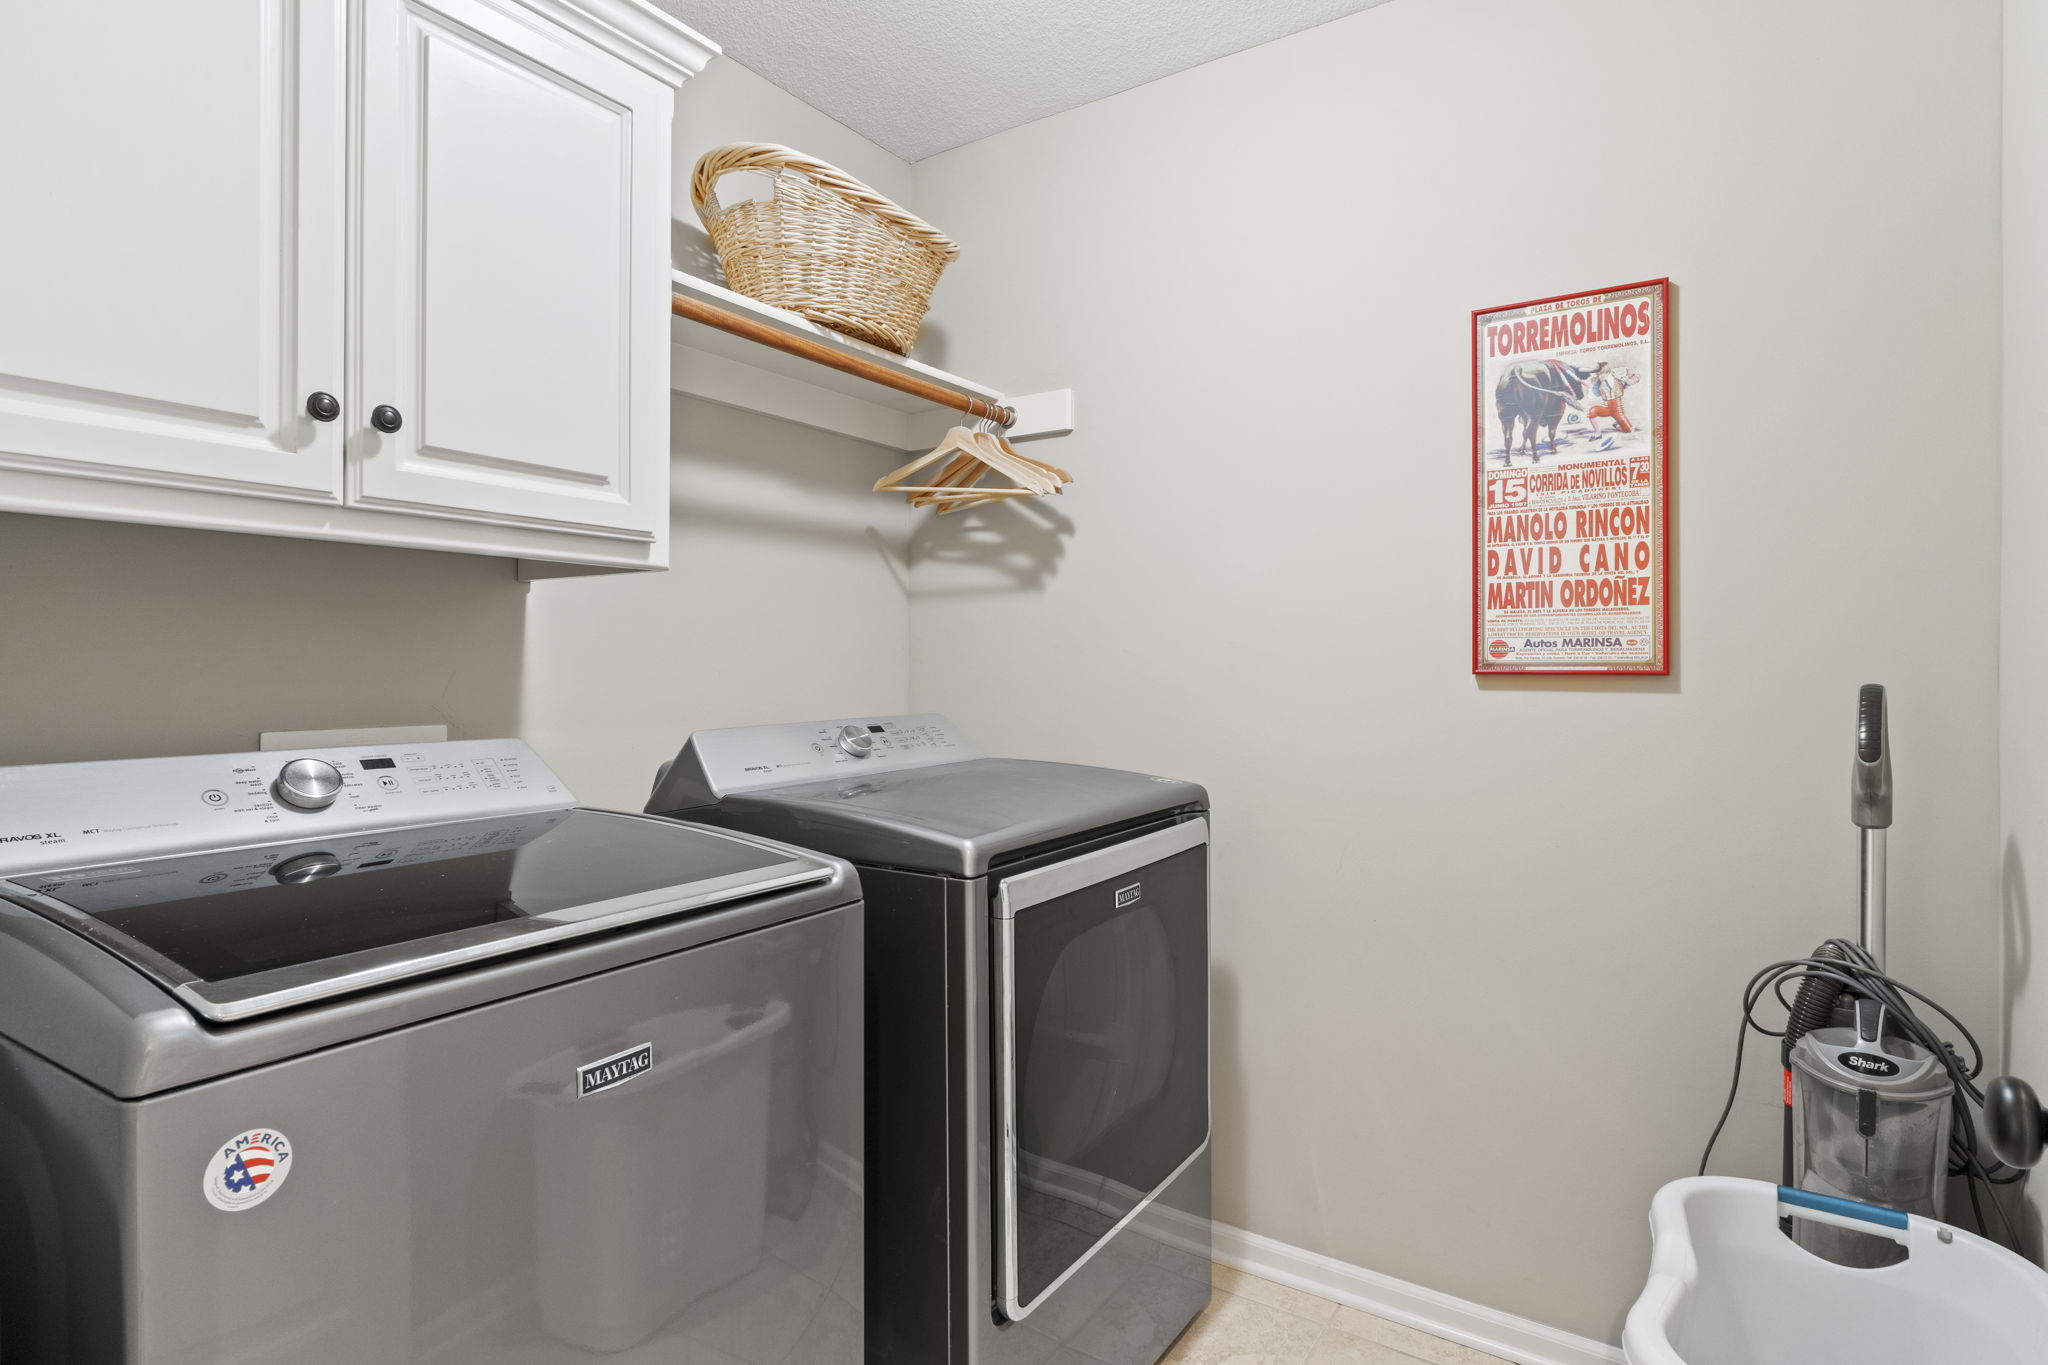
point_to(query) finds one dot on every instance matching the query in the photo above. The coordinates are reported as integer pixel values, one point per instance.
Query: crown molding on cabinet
(663, 47)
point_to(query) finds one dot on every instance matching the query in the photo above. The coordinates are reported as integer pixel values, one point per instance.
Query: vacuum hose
(1814, 1005)
(1812, 1008)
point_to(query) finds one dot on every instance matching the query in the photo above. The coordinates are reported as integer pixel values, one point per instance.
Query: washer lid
(956, 818)
(241, 932)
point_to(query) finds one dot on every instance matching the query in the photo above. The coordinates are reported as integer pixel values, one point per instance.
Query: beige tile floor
(1251, 1321)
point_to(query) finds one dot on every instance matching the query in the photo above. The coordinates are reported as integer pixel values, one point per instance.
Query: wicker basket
(824, 246)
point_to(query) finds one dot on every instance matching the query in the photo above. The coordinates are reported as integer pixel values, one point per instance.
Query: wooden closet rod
(711, 315)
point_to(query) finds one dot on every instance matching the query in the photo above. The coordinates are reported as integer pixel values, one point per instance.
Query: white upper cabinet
(503, 269)
(441, 225)
(172, 241)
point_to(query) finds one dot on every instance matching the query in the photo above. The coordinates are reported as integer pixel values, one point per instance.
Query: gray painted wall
(1480, 945)
(124, 641)
(786, 592)
(2023, 662)
(785, 600)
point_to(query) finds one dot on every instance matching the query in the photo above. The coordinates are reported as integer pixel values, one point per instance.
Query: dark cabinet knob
(385, 418)
(323, 407)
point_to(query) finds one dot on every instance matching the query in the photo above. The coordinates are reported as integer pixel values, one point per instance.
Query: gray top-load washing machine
(1038, 1027)
(379, 1056)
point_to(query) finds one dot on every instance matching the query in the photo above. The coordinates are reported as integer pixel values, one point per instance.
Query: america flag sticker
(247, 1169)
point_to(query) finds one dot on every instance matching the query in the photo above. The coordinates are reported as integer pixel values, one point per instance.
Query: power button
(214, 796)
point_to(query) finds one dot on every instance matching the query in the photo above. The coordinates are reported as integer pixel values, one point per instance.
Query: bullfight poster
(1570, 564)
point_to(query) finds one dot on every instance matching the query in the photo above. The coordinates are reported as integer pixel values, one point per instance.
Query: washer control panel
(57, 814)
(719, 763)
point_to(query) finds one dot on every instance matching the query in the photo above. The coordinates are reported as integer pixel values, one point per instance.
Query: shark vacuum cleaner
(1878, 1104)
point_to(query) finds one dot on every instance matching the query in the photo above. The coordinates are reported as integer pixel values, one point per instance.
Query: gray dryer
(1038, 1027)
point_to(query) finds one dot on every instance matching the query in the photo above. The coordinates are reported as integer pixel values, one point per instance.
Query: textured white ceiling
(922, 76)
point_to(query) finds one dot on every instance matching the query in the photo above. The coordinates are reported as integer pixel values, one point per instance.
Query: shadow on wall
(1002, 547)
(747, 475)
(1553, 682)
(739, 474)
(2019, 939)
(1226, 1078)
(135, 641)
(690, 251)
(2018, 934)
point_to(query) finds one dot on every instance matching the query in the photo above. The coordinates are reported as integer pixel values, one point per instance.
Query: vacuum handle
(2013, 1122)
(1870, 777)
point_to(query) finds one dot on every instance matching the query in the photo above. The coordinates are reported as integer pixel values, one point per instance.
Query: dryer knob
(856, 740)
(308, 784)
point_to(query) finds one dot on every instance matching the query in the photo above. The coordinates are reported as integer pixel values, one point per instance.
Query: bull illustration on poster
(1570, 445)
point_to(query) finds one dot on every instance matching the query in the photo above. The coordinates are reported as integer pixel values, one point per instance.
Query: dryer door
(1101, 967)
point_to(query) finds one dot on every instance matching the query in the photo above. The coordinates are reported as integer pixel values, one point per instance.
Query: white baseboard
(1522, 1340)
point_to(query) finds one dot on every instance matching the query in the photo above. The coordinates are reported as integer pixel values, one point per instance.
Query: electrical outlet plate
(389, 736)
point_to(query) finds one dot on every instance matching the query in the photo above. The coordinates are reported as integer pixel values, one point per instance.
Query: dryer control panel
(59, 814)
(717, 763)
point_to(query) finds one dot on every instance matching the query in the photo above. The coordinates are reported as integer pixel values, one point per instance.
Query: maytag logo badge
(1128, 895)
(614, 1070)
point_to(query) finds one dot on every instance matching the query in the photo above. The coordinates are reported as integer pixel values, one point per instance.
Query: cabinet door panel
(172, 245)
(514, 273)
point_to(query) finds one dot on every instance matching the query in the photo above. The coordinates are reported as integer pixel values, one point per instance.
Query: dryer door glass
(1102, 1034)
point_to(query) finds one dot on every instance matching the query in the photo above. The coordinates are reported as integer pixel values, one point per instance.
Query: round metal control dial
(308, 784)
(856, 740)
(307, 867)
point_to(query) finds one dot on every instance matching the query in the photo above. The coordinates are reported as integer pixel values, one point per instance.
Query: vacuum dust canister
(1871, 1117)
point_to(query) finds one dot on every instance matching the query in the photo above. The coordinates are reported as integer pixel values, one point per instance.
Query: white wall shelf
(719, 367)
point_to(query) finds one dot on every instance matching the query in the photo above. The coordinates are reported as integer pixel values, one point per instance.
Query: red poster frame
(1659, 664)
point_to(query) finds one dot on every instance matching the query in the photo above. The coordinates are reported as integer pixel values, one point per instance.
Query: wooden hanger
(976, 452)
(1002, 442)
(984, 498)
(961, 471)
(1033, 476)
(956, 438)
(1001, 457)
(957, 475)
